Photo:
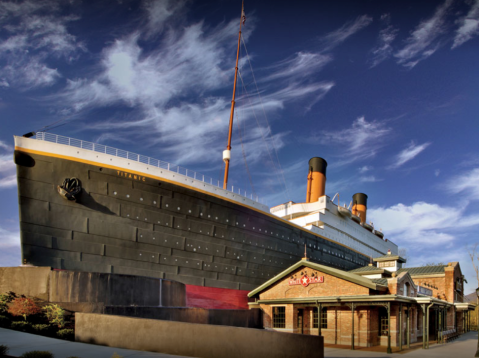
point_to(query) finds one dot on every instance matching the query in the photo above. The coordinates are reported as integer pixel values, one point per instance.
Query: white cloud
(423, 41)
(365, 169)
(422, 225)
(9, 238)
(465, 183)
(336, 37)
(8, 176)
(362, 140)
(37, 33)
(469, 26)
(383, 49)
(159, 12)
(162, 87)
(302, 64)
(408, 154)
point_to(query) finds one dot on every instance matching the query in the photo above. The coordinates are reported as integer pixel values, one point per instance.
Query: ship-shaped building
(89, 207)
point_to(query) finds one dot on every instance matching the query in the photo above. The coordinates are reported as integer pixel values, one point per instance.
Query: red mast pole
(227, 152)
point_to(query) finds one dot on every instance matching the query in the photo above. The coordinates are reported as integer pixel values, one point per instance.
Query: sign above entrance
(306, 280)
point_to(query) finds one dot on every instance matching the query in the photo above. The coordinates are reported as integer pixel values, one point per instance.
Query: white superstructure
(322, 217)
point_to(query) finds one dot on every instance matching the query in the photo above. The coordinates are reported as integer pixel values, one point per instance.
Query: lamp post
(477, 325)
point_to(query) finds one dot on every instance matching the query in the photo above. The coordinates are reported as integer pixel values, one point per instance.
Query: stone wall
(193, 340)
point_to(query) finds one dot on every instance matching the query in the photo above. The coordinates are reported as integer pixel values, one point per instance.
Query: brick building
(385, 305)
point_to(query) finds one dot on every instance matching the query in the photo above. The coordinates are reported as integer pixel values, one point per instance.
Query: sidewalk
(463, 347)
(19, 343)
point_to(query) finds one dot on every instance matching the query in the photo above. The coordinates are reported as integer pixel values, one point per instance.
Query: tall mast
(227, 152)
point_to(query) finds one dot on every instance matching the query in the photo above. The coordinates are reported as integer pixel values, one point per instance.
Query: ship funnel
(360, 206)
(316, 179)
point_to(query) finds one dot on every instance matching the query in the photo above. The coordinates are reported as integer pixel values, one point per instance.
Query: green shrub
(55, 315)
(66, 334)
(5, 299)
(41, 328)
(21, 326)
(4, 322)
(37, 354)
(3, 350)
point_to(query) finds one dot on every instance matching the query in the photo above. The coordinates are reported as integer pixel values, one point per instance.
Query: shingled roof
(380, 281)
(424, 270)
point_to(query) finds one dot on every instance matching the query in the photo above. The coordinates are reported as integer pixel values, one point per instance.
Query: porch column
(439, 323)
(319, 319)
(423, 307)
(400, 326)
(427, 324)
(352, 326)
(463, 322)
(408, 327)
(389, 328)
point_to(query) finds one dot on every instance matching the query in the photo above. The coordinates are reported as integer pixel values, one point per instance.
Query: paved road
(19, 343)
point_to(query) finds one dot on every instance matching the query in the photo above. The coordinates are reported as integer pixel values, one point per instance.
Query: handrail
(95, 147)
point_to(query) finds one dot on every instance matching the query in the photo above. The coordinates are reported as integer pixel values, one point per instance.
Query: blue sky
(385, 91)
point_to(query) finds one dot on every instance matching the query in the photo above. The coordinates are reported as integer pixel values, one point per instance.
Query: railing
(100, 148)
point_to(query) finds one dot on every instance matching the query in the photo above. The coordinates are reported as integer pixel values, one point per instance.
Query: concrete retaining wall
(88, 287)
(193, 340)
(28, 281)
(235, 318)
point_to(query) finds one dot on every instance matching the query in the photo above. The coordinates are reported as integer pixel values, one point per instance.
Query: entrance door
(300, 321)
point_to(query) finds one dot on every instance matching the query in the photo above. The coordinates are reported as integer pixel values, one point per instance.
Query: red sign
(305, 280)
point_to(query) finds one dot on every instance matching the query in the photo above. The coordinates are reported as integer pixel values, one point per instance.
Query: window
(279, 317)
(324, 318)
(383, 322)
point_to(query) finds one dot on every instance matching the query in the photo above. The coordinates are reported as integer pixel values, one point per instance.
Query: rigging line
(244, 154)
(269, 127)
(239, 133)
(265, 117)
(259, 126)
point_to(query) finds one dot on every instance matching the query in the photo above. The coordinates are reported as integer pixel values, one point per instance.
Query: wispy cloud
(8, 176)
(465, 183)
(364, 169)
(469, 26)
(383, 49)
(336, 37)
(170, 90)
(302, 64)
(362, 140)
(159, 12)
(408, 154)
(37, 34)
(424, 40)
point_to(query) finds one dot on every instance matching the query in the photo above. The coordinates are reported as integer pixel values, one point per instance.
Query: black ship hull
(141, 225)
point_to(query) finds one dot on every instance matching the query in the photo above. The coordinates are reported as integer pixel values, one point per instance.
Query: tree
(23, 307)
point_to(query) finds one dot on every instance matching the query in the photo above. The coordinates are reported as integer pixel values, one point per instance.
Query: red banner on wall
(305, 280)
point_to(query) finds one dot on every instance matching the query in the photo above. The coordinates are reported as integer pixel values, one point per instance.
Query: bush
(37, 354)
(55, 315)
(66, 334)
(41, 328)
(23, 307)
(4, 322)
(5, 299)
(21, 326)
(3, 350)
